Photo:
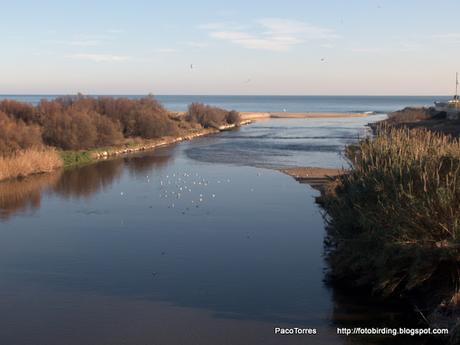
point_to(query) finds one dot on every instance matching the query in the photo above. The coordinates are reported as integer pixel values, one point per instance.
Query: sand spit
(307, 115)
(314, 176)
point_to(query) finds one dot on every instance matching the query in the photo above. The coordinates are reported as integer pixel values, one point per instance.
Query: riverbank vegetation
(394, 219)
(31, 136)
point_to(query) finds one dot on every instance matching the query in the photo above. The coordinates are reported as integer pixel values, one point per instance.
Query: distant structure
(452, 106)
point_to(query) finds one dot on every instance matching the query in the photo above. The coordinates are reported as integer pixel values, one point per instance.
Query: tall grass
(394, 220)
(29, 161)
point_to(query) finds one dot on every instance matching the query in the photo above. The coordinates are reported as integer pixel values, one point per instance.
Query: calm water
(377, 104)
(110, 253)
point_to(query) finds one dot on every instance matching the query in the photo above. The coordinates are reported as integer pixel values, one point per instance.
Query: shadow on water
(358, 309)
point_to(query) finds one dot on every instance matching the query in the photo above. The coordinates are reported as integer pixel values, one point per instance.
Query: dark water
(110, 253)
(377, 104)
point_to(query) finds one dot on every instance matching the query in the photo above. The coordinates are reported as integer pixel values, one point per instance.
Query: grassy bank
(394, 219)
(82, 157)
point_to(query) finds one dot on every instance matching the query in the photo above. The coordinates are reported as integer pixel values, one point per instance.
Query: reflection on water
(114, 255)
(89, 179)
(25, 194)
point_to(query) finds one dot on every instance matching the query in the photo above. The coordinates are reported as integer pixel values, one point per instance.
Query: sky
(327, 47)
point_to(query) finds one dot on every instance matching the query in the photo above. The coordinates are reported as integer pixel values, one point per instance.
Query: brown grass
(29, 161)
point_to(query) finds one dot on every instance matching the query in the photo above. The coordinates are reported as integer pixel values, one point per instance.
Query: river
(196, 243)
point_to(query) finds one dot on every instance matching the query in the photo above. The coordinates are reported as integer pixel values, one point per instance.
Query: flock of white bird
(189, 189)
(186, 191)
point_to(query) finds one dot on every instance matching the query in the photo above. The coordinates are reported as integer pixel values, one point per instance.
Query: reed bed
(394, 220)
(29, 161)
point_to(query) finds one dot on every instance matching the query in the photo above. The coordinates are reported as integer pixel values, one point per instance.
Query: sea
(371, 104)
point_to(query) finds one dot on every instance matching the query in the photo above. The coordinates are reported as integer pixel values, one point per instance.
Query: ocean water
(376, 104)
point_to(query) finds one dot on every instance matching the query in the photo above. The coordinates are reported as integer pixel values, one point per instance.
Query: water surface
(187, 244)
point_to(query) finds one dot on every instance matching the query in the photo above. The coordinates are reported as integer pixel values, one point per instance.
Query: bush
(409, 115)
(394, 220)
(233, 117)
(211, 117)
(145, 117)
(16, 135)
(20, 111)
(69, 130)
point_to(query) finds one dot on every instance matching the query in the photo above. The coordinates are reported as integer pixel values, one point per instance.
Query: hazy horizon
(330, 48)
(219, 95)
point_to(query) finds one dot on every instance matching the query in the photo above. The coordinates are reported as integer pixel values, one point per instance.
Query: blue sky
(335, 47)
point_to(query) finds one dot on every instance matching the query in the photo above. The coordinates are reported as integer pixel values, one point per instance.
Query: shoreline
(73, 158)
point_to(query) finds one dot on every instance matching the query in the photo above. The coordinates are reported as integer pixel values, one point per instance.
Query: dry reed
(29, 161)
(394, 220)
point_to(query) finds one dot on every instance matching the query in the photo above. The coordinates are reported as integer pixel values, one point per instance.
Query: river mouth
(170, 245)
(281, 143)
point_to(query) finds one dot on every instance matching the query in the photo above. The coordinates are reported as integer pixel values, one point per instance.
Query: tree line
(84, 122)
